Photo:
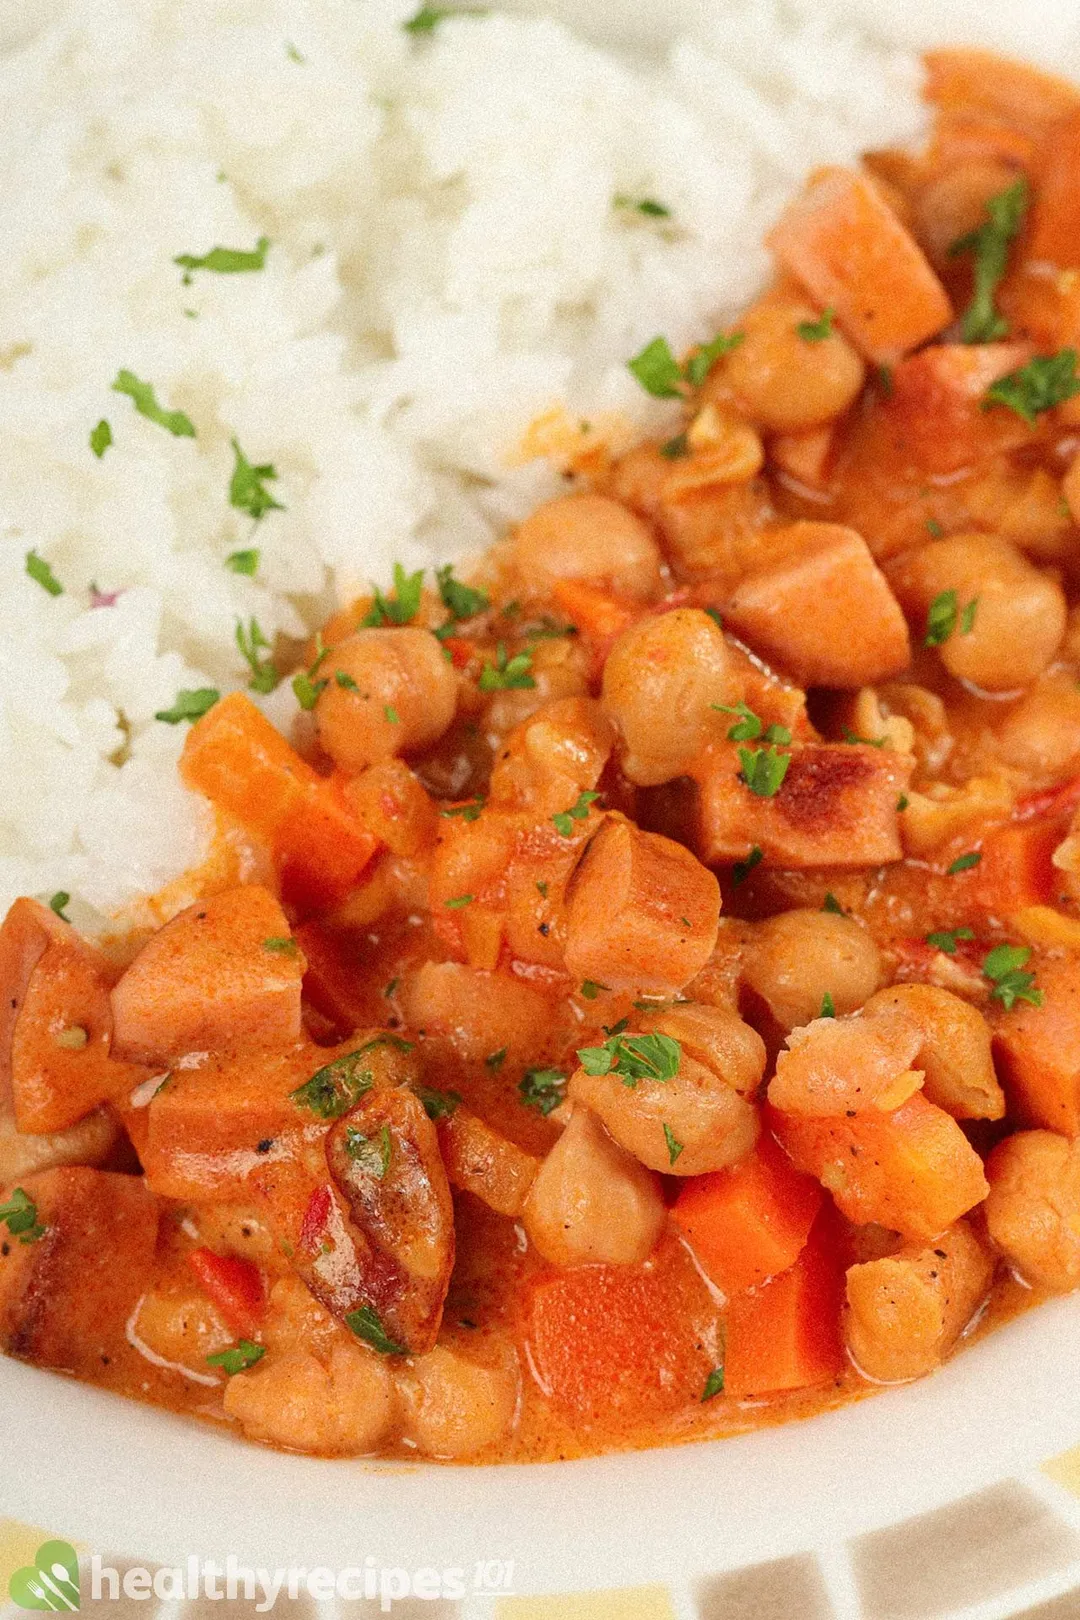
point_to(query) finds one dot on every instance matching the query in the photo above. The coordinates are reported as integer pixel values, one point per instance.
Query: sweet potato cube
(962, 80)
(66, 1294)
(913, 1171)
(1055, 216)
(1037, 1050)
(843, 242)
(798, 609)
(642, 912)
(223, 974)
(935, 409)
(837, 806)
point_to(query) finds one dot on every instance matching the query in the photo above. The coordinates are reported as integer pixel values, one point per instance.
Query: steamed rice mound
(447, 260)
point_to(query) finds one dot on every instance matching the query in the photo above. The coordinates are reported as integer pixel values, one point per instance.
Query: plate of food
(540, 853)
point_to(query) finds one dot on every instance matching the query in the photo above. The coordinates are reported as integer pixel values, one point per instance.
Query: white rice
(445, 264)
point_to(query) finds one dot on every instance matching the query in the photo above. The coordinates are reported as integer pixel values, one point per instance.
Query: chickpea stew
(641, 1001)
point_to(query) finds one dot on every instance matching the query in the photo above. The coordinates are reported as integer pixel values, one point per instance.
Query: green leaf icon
(51, 1583)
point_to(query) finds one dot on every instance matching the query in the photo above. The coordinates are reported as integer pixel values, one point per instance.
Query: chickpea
(781, 380)
(1018, 620)
(546, 761)
(340, 1406)
(663, 680)
(387, 692)
(1041, 732)
(955, 1055)
(239, 1229)
(708, 1124)
(1033, 1207)
(559, 669)
(587, 537)
(180, 1325)
(794, 960)
(717, 1037)
(591, 1202)
(460, 1397)
(479, 1012)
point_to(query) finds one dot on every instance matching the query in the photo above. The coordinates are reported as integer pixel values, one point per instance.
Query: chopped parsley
(243, 562)
(714, 1385)
(989, 244)
(189, 705)
(967, 617)
(495, 1060)
(564, 821)
(660, 374)
(750, 726)
(543, 888)
(145, 401)
(1046, 381)
(247, 491)
(468, 812)
(856, 741)
(700, 364)
(252, 643)
(281, 946)
(304, 684)
(633, 1058)
(742, 869)
(459, 901)
(59, 903)
(101, 438)
(372, 1154)
(20, 1216)
(828, 1006)
(438, 1104)
(390, 714)
(934, 529)
(763, 770)
(832, 904)
(507, 674)
(1005, 965)
(674, 1146)
(946, 939)
(337, 1087)
(542, 1089)
(674, 449)
(591, 988)
(226, 261)
(238, 1359)
(641, 205)
(462, 600)
(367, 1325)
(964, 863)
(343, 679)
(941, 619)
(885, 380)
(817, 331)
(42, 574)
(399, 608)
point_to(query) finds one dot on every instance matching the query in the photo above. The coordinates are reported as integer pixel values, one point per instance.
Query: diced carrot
(935, 408)
(595, 612)
(234, 1285)
(56, 1027)
(913, 1171)
(1017, 868)
(224, 973)
(963, 80)
(785, 1334)
(235, 757)
(623, 1340)
(1055, 215)
(797, 609)
(751, 1221)
(333, 981)
(642, 912)
(835, 807)
(847, 247)
(1037, 1049)
(462, 651)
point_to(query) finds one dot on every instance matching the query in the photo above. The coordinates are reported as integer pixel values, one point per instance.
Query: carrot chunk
(961, 80)
(1038, 1050)
(835, 807)
(751, 1221)
(234, 1285)
(786, 1334)
(597, 614)
(234, 756)
(1017, 868)
(818, 580)
(847, 247)
(224, 973)
(913, 1171)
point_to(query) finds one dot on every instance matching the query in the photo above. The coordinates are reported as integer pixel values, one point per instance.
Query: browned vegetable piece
(66, 1293)
(906, 1311)
(481, 1161)
(385, 1162)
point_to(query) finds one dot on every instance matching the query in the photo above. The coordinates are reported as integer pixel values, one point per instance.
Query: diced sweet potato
(906, 1310)
(797, 611)
(835, 807)
(65, 1295)
(56, 1029)
(843, 242)
(913, 1171)
(642, 912)
(1038, 1050)
(223, 974)
(481, 1161)
(1055, 215)
(962, 80)
(934, 409)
